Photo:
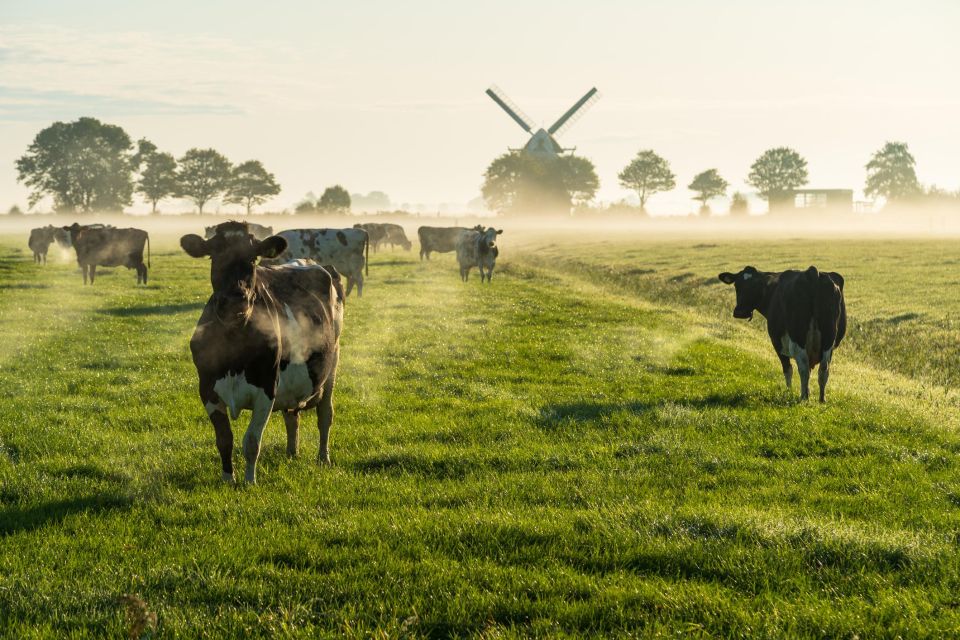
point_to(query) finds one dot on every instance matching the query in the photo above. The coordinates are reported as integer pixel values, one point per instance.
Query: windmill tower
(542, 142)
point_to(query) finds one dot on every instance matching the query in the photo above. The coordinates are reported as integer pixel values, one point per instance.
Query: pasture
(590, 446)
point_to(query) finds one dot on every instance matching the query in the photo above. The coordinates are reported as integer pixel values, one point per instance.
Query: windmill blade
(575, 111)
(512, 109)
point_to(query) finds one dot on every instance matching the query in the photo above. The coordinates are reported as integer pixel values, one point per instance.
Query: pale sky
(389, 96)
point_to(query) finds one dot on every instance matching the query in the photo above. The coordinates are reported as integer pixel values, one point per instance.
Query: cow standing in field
(440, 239)
(258, 231)
(385, 233)
(106, 246)
(40, 240)
(806, 317)
(348, 250)
(267, 340)
(478, 249)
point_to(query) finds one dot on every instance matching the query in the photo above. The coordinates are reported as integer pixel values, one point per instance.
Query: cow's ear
(194, 245)
(499, 231)
(272, 247)
(727, 278)
(837, 279)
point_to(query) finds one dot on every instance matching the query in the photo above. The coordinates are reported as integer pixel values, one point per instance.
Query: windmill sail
(508, 105)
(574, 112)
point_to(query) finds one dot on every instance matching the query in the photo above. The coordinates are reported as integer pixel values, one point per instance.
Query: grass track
(589, 446)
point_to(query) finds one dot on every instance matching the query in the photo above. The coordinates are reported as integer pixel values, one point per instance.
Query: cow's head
(233, 255)
(751, 287)
(487, 241)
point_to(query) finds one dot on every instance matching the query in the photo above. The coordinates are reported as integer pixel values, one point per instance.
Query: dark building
(834, 200)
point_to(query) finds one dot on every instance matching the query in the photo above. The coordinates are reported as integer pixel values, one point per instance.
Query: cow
(259, 231)
(385, 233)
(106, 246)
(478, 249)
(440, 239)
(40, 240)
(267, 340)
(806, 317)
(348, 250)
(375, 231)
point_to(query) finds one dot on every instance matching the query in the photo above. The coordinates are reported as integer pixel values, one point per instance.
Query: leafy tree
(307, 206)
(251, 184)
(647, 174)
(335, 199)
(518, 182)
(739, 205)
(14, 211)
(891, 173)
(84, 165)
(204, 174)
(708, 185)
(158, 173)
(777, 170)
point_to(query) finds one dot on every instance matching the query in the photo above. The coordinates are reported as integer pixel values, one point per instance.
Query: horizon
(392, 99)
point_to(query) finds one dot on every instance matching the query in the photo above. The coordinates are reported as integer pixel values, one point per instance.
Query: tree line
(88, 165)
(521, 182)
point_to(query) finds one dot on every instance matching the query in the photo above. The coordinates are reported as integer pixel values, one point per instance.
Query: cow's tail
(367, 250)
(148, 251)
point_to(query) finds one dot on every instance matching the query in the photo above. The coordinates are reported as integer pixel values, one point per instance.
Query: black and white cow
(40, 240)
(259, 231)
(478, 249)
(348, 250)
(267, 340)
(806, 317)
(106, 246)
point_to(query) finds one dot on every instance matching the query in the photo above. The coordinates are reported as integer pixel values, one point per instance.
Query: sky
(389, 96)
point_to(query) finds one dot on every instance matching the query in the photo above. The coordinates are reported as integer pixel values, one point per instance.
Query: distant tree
(335, 199)
(739, 206)
(204, 174)
(306, 206)
(84, 165)
(14, 211)
(251, 184)
(517, 182)
(891, 173)
(708, 185)
(373, 201)
(647, 174)
(779, 169)
(158, 173)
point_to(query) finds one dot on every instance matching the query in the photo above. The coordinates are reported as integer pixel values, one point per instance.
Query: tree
(251, 184)
(84, 165)
(708, 185)
(647, 174)
(373, 201)
(739, 206)
(306, 206)
(204, 174)
(778, 170)
(158, 173)
(518, 182)
(14, 211)
(891, 173)
(335, 199)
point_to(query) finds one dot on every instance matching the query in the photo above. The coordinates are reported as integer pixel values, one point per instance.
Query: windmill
(542, 142)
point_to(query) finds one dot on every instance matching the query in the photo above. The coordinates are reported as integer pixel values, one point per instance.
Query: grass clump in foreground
(560, 453)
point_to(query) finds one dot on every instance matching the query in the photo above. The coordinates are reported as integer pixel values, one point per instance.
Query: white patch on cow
(237, 394)
(211, 408)
(294, 388)
(235, 234)
(747, 276)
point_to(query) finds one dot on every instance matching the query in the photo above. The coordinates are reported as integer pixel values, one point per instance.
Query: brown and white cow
(40, 240)
(267, 340)
(259, 231)
(440, 239)
(348, 250)
(806, 317)
(478, 249)
(106, 246)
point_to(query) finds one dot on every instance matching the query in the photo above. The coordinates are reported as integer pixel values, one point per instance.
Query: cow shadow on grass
(24, 285)
(554, 416)
(158, 310)
(17, 519)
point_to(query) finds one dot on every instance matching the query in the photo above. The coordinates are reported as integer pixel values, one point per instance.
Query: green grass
(591, 446)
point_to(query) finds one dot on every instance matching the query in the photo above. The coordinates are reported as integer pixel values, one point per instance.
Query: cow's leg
(221, 427)
(787, 370)
(360, 284)
(93, 272)
(291, 419)
(144, 267)
(324, 420)
(262, 406)
(349, 286)
(803, 366)
(824, 373)
(83, 269)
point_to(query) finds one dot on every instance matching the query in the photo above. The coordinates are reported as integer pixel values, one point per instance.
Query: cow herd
(268, 338)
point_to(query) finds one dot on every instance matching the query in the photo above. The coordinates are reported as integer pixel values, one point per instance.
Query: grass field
(591, 446)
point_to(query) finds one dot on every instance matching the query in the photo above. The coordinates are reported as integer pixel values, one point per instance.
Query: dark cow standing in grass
(258, 231)
(806, 317)
(385, 233)
(478, 249)
(41, 238)
(440, 239)
(105, 246)
(348, 250)
(267, 340)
